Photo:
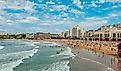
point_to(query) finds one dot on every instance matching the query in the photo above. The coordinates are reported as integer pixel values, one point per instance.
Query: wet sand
(107, 60)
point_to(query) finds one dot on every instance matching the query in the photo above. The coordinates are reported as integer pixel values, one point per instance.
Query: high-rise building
(75, 32)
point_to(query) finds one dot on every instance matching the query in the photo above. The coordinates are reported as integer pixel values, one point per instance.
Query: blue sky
(56, 16)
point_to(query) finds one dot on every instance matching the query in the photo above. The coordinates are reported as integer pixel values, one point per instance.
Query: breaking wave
(15, 59)
(1, 47)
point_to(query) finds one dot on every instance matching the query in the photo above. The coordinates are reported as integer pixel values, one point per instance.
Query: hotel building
(107, 33)
(75, 32)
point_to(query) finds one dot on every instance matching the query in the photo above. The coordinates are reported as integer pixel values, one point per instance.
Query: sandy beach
(109, 61)
(104, 53)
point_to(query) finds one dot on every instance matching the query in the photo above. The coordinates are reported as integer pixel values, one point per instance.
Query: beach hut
(119, 49)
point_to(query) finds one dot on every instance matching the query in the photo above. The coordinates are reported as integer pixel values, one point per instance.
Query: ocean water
(23, 55)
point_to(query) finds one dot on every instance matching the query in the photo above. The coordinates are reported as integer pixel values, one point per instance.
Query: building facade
(30, 36)
(75, 32)
(42, 36)
(107, 33)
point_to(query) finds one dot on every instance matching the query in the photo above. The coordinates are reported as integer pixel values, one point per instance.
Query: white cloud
(102, 1)
(63, 14)
(50, 2)
(5, 18)
(110, 15)
(24, 20)
(29, 19)
(55, 20)
(114, 14)
(32, 18)
(53, 7)
(77, 12)
(29, 6)
(9, 22)
(113, 0)
(97, 21)
(78, 3)
(17, 4)
(59, 7)
(92, 23)
(93, 4)
(96, 18)
(113, 7)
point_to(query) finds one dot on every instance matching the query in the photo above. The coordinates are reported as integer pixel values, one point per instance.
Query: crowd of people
(109, 47)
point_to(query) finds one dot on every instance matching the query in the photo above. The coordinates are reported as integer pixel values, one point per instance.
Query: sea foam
(1, 47)
(66, 52)
(62, 65)
(58, 66)
(12, 64)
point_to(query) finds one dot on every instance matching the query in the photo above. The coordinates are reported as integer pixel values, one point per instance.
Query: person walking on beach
(111, 60)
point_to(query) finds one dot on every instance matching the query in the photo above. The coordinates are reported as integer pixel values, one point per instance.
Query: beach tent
(119, 49)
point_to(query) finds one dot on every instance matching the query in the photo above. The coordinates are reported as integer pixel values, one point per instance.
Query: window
(106, 35)
(118, 34)
(114, 35)
(97, 35)
(100, 35)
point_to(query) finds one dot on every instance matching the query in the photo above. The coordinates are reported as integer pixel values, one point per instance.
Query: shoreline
(89, 55)
(105, 57)
(95, 46)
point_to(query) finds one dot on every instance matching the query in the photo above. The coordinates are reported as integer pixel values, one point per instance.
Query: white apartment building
(75, 32)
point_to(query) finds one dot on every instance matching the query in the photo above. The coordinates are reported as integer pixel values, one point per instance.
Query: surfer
(46, 68)
(30, 56)
(57, 52)
(61, 49)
